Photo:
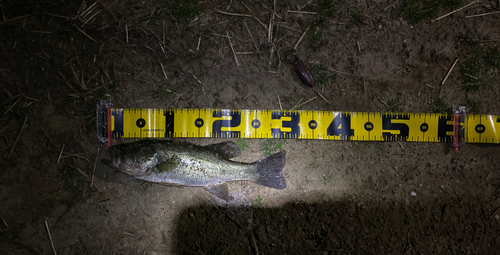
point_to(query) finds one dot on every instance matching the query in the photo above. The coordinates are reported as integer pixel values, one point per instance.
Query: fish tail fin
(269, 171)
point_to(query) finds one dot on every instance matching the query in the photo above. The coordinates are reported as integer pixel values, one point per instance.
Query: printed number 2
(341, 126)
(219, 124)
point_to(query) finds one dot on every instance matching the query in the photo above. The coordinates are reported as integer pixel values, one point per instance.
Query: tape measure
(296, 124)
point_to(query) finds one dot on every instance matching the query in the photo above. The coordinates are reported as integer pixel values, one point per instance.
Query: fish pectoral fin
(226, 150)
(221, 191)
(168, 165)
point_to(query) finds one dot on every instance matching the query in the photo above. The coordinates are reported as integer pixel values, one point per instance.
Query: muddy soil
(59, 58)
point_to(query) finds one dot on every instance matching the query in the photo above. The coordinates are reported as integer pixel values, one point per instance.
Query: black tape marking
(443, 127)
(169, 123)
(118, 131)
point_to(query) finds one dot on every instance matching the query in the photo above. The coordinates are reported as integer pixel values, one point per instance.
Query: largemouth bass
(185, 164)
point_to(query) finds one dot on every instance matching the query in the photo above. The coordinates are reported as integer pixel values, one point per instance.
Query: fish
(185, 164)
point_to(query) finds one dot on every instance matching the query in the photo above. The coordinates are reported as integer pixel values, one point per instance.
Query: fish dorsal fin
(226, 149)
(168, 165)
(221, 191)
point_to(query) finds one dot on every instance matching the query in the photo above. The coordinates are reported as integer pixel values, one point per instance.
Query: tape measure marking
(306, 124)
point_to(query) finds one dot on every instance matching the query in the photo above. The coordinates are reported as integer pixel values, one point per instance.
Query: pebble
(413, 193)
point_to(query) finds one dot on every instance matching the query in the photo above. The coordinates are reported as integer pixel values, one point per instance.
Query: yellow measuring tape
(300, 124)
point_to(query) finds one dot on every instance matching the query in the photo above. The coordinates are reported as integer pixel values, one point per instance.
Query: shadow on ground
(451, 225)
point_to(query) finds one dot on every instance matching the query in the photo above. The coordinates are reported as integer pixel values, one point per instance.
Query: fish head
(132, 159)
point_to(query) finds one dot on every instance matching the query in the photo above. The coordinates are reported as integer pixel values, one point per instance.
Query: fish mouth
(138, 168)
(112, 162)
(133, 164)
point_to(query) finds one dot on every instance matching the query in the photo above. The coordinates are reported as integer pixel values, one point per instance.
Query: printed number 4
(341, 126)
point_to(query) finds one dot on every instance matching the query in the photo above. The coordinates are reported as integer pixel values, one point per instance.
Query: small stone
(413, 193)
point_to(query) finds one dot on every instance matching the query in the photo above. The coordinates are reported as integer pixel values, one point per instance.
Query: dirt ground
(58, 58)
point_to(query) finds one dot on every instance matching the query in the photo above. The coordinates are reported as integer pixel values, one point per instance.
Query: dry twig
(196, 78)
(482, 14)
(164, 73)
(4, 222)
(12, 106)
(251, 37)
(270, 29)
(384, 103)
(402, 146)
(85, 34)
(62, 149)
(20, 17)
(300, 39)
(449, 71)
(199, 42)
(230, 44)
(18, 135)
(77, 155)
(95, 163)
(255, 245)
(59, 16)
(126, 33)
(108, 10)
(304, 6)
(246, 7)
(459, 9)
(7, 251)
(234, 14)
(391, 5)
(302, 12)
(317, 91)
(495, 212)
(87, 15)
(50, 237)
(81, 172)
(128, 234)
(261, 23)
(340, 72)
(304, 103)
